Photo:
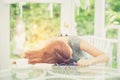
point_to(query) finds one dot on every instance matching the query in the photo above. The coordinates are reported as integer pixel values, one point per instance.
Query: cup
(22, 62)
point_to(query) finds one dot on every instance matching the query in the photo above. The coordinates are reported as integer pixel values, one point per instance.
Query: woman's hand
(84, 62)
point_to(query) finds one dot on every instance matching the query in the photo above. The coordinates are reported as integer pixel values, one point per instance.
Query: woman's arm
(98, 55)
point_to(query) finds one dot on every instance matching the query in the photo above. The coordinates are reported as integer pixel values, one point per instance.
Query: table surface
(61, 73)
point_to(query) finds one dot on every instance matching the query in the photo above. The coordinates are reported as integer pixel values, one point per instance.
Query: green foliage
(112, 16)
(38, 14)
(35, 14)
(84, 18)
(114, 5)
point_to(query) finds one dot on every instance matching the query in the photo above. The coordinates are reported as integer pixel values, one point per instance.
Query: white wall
(68, 25)
(118, 52)
(4, 35)
(99, 19)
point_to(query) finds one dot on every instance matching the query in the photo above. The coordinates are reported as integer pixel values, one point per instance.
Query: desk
(63, 73)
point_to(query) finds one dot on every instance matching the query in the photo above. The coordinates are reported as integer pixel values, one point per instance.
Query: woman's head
(55, 52)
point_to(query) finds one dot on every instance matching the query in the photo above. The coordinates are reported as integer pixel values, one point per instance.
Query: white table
(63, 73)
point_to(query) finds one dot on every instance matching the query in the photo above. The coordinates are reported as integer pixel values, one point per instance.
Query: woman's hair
(55, 52)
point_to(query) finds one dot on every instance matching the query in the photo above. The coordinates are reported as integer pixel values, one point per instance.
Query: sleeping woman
(67, 50)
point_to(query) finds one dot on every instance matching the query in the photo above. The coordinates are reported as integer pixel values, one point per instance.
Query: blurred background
(41, 21)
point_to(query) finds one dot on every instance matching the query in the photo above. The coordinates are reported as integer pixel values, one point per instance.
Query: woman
(66, 50)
